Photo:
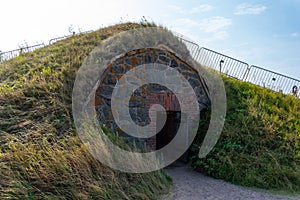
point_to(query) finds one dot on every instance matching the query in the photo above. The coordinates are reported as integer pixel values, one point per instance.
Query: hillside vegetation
(41, 156)
(260, 143)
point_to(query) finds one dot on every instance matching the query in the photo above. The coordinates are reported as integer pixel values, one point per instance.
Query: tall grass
(41, 156)
(260, 143)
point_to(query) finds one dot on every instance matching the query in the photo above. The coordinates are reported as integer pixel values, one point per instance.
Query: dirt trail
(191, 185)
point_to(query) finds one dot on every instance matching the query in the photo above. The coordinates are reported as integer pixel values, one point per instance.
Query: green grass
(41, 156)
(260, 143)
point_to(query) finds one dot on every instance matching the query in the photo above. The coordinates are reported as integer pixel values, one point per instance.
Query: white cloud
(249, 9)
(196, 10)
(208, 25)
(211, 29)
(202, 8)
(186, 22)
(295, 34)
(214, 24)
(176, 9)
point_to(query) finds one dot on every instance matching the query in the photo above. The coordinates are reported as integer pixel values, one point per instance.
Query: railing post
(221, 62)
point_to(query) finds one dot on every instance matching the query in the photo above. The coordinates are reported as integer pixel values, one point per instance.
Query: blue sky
(262, 33)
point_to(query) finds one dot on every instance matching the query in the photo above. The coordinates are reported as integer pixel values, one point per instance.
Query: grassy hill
(41, 156)
(260, 143)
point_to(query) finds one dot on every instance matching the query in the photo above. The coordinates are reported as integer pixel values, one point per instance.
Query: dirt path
(191, 185)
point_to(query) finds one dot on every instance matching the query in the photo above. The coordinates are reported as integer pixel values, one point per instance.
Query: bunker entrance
(169, 131)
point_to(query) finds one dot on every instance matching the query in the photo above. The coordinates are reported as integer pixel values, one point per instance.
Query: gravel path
(191, 185)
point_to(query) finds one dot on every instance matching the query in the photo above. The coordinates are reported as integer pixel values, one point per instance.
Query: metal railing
(272, 80)
(4, 56)
(14, 53)
(207, 57)
(53, 40)
(222, 63)
(241, 70)
(191, 46)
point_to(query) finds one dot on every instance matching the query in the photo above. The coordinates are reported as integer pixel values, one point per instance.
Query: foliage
(41, 155)
(260, 143)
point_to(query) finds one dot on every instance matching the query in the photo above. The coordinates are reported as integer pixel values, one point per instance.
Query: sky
(262, 33)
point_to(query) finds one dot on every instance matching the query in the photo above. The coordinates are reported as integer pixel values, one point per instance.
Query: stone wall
(145, 96)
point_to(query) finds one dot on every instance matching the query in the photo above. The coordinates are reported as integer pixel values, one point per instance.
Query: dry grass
(41, 156)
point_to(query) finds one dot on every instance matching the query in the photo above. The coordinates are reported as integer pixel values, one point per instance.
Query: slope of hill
(41, 155)
(260, 143)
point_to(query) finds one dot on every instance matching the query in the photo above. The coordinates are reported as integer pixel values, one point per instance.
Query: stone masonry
(145, 96)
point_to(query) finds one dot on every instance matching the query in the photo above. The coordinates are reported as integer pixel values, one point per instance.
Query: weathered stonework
(147, 95)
